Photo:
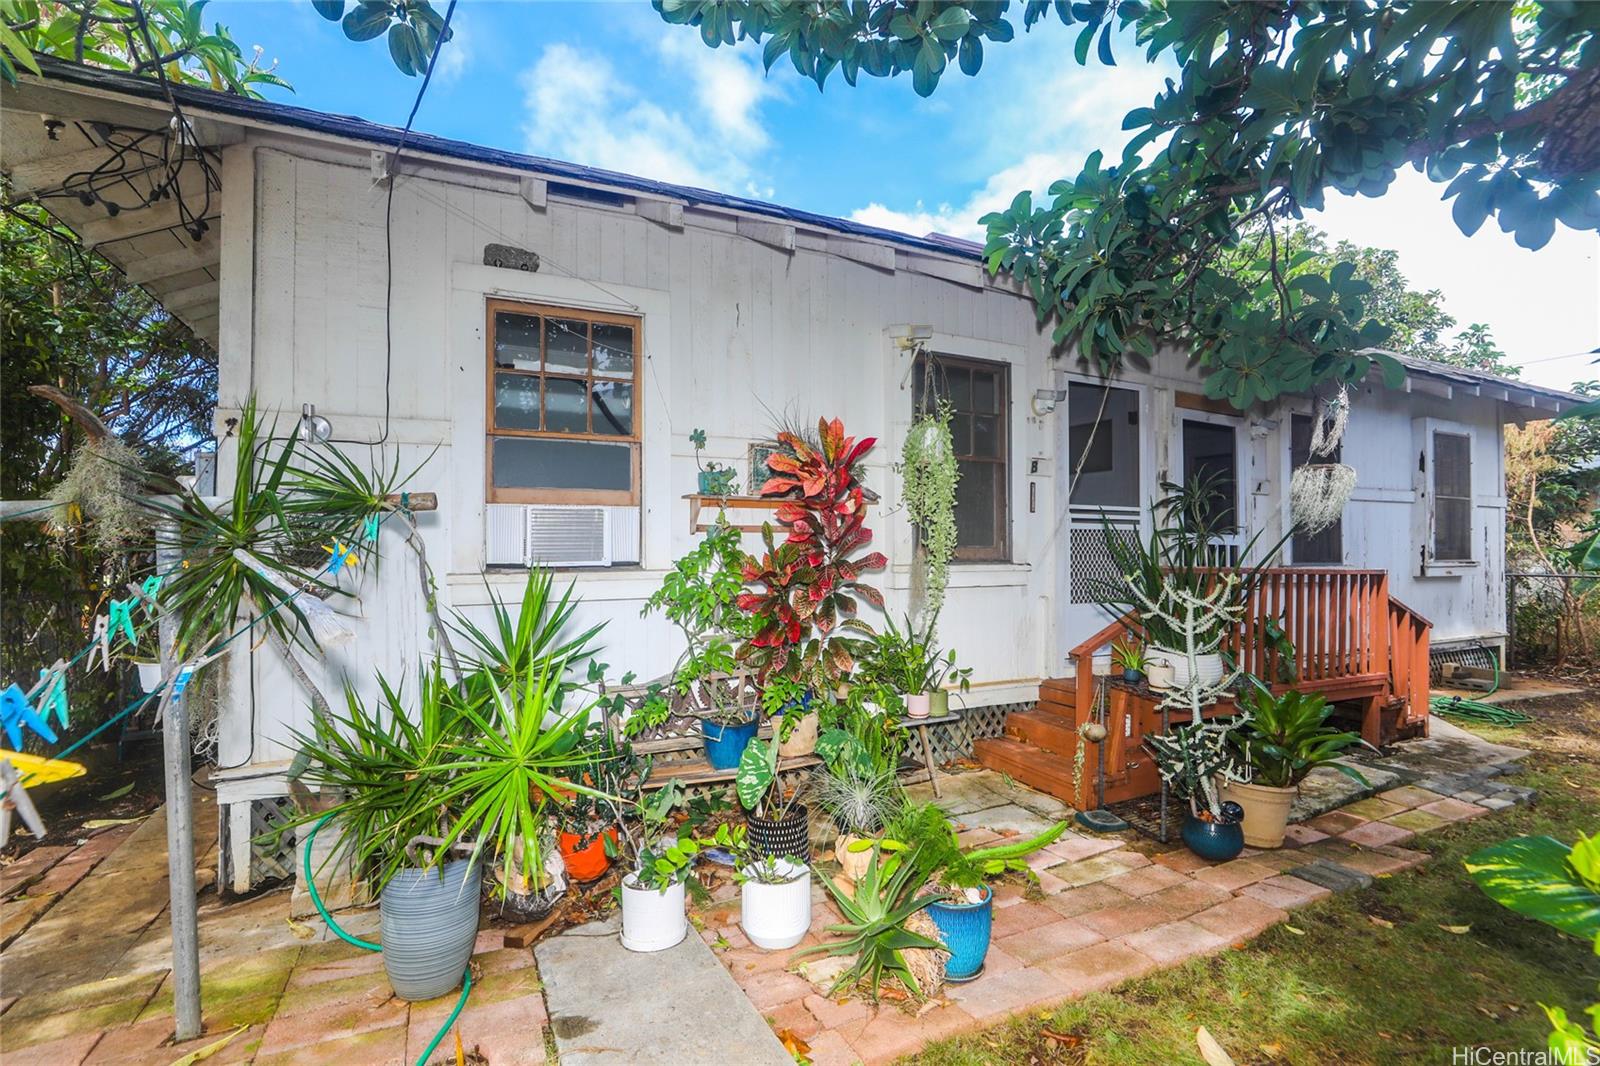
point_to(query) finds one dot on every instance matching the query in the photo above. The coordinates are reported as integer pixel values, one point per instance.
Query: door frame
(1235, 541)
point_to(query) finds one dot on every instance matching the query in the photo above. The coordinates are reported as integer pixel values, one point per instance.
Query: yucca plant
(513, 646)
(519, 753)
(379, 763)
(875, 914)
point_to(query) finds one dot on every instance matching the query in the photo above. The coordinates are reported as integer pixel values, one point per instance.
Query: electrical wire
(388, 238)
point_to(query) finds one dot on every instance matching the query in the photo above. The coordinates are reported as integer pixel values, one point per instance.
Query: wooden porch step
(1043, 729)
(1033, 766)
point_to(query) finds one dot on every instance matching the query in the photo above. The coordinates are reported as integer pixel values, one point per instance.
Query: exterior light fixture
(314, 429)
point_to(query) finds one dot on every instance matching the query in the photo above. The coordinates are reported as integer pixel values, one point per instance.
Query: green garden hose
(1477, 710)
(316, 899)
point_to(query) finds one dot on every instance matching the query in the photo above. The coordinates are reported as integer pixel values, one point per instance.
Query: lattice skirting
(953, 740)
(269, 860)
(1478, 656)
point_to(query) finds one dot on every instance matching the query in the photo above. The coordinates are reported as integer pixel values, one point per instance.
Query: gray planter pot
(429, 922)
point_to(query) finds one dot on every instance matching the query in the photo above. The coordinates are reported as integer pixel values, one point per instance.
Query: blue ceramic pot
(1132, 677)
(725, 744)
(1213, 841)
(965, 929)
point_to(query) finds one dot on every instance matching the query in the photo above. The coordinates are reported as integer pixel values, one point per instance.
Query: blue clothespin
(181, 682)
(119, 619)
(15, 713)
(53, 694)
(340, 556)
(369, 528)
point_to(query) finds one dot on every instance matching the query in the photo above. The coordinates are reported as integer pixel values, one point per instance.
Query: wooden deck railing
(1351, 640)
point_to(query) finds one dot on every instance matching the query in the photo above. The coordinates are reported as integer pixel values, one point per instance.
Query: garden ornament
(340, 556)
(15, 712)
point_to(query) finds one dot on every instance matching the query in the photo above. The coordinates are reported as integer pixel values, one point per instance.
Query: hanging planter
(149, 674)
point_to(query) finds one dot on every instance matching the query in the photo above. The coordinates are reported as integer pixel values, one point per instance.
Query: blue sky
(610, 84)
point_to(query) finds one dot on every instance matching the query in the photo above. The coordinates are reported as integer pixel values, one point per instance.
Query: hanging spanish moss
(1318, 494)
(100, 494)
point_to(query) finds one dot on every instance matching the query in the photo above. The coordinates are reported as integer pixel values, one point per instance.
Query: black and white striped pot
(789, 838)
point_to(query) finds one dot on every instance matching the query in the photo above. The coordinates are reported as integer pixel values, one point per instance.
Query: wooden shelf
(699, 501)
(699, 771)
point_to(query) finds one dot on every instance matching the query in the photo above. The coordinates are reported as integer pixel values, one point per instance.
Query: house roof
(360, 129)
(1477, 382)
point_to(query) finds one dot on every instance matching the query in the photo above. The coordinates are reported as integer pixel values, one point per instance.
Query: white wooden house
(328, 275)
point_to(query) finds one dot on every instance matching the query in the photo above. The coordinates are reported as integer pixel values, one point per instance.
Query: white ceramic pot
(149, 674)
(917, 705)
(651, 920)
(1158, 672)
(777, 916)
(1208, 666)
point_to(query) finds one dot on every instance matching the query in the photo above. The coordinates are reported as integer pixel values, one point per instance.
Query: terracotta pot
(852, 864)
(803, 741)
(1266, 812)
(586, 863)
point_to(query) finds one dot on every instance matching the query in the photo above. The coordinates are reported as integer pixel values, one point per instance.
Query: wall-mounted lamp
(314, 429)
(1045, 400)
(913, 338)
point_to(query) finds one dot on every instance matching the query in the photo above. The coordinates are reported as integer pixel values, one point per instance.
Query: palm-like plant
(513, 646)
(874, 930)
(519, 752)
(1286, 737)
(379, 762)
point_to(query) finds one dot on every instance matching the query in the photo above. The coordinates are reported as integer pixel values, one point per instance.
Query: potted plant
(946, 673)
(777, 820)
(906, 661)
(587, 824)
(885, 926)
(699, 596)
(929, 474)
(774, 892)
(862, 800)
(660, 864)
(715, 479)
(1190, 760)
(788, 706)
(964, 910)
(1278, 744)
(1128, 657)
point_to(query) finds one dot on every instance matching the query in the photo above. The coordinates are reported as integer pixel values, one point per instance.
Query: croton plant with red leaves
(809, 586)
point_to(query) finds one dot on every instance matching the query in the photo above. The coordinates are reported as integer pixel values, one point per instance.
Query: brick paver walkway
(1108, 909)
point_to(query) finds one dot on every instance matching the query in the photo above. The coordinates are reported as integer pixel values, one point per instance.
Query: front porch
(1354, 643)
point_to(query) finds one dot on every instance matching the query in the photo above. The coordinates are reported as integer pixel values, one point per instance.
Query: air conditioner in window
(562, 535)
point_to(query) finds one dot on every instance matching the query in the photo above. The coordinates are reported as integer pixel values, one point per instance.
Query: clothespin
(119, 618)
(16, 798)
(102, 638)
(369, 528)
(341, 556)
(52, 689)
(16, 713)
(150, 592)
(181, 682)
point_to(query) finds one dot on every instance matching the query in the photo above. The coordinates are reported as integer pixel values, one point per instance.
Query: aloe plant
(875, 913)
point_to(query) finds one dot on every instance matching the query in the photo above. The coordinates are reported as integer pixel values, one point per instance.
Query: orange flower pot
(587, 863)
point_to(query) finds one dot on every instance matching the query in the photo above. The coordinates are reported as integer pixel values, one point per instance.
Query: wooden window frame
(1000, 552)
(1434, 433)
(633, 441)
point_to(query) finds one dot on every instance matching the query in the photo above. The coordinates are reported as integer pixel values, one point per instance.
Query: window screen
(1327, 547)
(1452, 496)
(1211, 457)
(1103, 439)
(979, 394)
(563, 407)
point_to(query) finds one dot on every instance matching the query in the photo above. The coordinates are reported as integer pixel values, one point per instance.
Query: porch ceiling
(64, 148)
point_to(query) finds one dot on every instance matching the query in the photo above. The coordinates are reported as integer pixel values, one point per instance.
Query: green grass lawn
(1371, 976)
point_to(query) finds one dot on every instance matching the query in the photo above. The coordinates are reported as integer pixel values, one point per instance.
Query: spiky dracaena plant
(810, 584)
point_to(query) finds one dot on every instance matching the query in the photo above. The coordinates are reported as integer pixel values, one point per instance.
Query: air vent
(561, 535)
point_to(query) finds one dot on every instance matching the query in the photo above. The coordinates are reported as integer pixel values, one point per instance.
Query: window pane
(613, 408)
(975, 505)
(516, 401)
(534, 463)
(613, 350)
(1210, 457)
(985, 392)
(566, 407)
(1452, 464)
(567, 344)
(1453, 528)
(1110, 470)
(959, 380)
(987, 440)
(1326, 547)
(961, 433)
(516, 341)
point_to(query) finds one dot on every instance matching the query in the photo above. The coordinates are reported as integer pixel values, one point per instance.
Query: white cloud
(581, 108)
(1041, 116)
(1538, 305)
(456, 53)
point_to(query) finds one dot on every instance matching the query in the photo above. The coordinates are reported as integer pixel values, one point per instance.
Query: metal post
(180, 828)
(1511, 619)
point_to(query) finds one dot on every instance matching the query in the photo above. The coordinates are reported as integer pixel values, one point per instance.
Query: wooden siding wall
(736, 333)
